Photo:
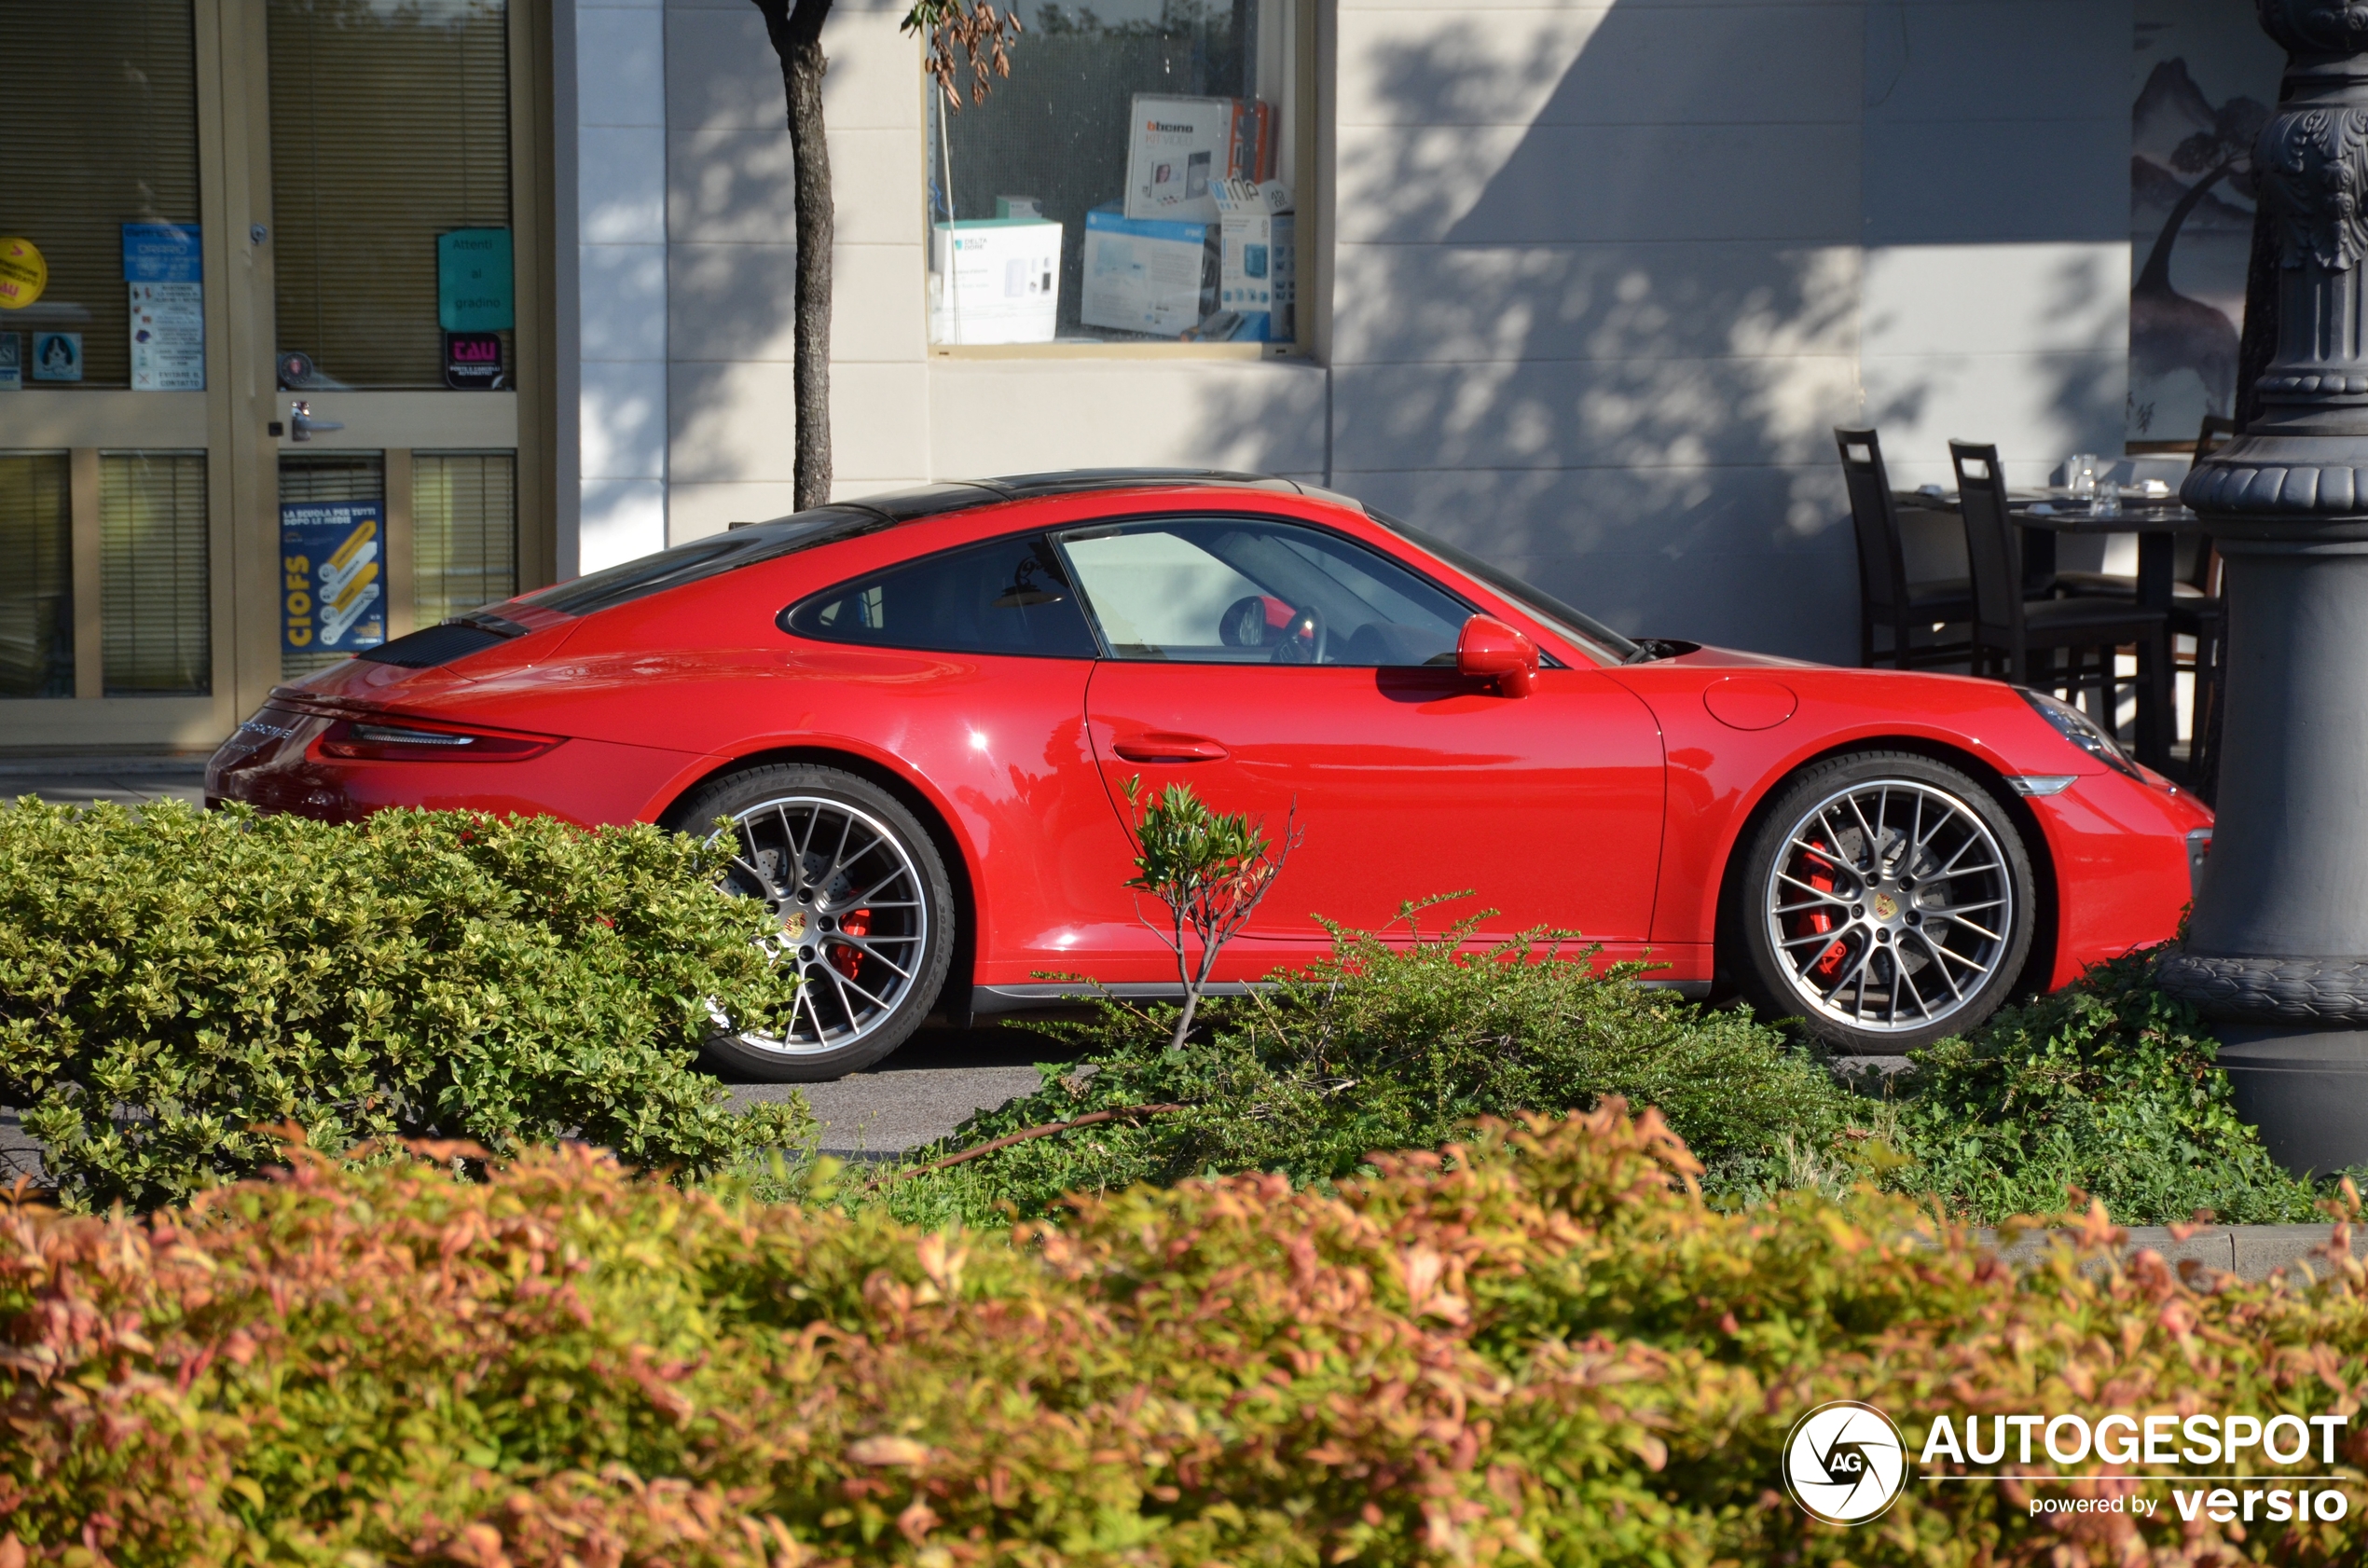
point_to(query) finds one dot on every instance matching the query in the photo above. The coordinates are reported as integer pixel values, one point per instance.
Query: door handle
(301, 424)
(1164, 748)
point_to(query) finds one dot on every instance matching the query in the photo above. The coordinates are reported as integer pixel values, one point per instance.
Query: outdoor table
(2157, 521)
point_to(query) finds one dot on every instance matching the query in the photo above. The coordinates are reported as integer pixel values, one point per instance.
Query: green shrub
(1543, 1349)
(2107, 1086)
(1378, 1047)
(172, 978)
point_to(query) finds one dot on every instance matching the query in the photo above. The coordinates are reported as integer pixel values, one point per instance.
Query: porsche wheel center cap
(1886, 907)
(793, 924)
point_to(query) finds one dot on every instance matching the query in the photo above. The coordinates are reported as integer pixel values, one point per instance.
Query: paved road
(924, 1091)
(125, 780)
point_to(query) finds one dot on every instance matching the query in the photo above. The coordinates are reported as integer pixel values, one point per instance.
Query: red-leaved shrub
(1539, 1348)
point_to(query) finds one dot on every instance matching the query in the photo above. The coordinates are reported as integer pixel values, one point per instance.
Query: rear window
(708, 557)
(1008, 595)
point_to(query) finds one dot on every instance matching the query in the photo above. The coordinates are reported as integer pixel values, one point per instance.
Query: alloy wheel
(1889, 906)
(853, 919)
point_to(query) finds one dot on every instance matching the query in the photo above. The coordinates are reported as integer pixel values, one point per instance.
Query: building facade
(1582, 286)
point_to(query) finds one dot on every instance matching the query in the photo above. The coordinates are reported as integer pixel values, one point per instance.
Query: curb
(2250, 1252)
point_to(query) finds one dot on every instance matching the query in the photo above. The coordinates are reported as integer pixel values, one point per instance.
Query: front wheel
(1890, 902)
(866, 914)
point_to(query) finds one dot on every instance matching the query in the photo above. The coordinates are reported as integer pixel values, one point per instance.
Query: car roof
(954, 495)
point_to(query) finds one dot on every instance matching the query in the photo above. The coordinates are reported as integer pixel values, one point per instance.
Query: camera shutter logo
(1845, 1463)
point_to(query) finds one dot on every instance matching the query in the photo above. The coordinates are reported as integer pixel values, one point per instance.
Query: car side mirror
(1488, 650)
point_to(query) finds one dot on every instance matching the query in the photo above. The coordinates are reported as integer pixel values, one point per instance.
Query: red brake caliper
(846, 960)
(1817, 921)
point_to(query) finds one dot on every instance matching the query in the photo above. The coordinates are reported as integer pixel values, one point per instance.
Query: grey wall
(1605, 275)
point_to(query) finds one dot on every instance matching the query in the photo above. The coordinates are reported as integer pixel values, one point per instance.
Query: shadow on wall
(1600, 298)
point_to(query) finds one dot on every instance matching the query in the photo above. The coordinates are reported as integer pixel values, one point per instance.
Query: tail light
(414, 740)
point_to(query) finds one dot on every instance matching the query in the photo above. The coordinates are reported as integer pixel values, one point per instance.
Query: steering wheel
(1304, 638)
(1244, 623)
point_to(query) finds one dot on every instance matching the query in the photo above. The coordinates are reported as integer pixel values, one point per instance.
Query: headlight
(2081, 730)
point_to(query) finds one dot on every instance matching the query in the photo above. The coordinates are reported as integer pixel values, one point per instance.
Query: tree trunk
(795, 27)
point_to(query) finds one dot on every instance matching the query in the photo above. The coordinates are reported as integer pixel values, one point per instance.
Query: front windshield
(1576, 624)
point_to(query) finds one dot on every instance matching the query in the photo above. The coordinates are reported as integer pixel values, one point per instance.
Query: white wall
(621, 261)
(1606, 273)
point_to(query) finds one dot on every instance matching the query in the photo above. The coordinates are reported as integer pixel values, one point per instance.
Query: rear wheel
(865, 908)
(1888, 902)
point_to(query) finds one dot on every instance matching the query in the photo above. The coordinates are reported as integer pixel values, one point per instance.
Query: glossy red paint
(1609, 799)
(1488, 650)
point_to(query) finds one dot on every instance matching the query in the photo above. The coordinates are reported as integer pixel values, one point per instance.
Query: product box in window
(1257, 266)
(1179, 147)
(1143, 275)
(994, 281)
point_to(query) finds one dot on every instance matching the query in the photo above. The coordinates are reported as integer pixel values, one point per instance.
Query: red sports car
(919, 712)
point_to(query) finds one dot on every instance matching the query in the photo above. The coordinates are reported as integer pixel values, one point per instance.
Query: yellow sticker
(22, 273)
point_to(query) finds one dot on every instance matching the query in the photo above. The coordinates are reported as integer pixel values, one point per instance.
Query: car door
(1298, 675)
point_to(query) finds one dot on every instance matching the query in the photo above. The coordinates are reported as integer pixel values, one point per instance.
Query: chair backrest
(1991, 544)
(2214, 434)
(1882, 576)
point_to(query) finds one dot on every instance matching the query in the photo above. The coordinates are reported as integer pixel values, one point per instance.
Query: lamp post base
(2307, 1089)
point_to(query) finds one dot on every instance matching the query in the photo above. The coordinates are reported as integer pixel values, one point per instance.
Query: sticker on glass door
(331, 586)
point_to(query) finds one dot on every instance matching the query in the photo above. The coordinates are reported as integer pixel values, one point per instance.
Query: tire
(866, 910)
(1917, 950)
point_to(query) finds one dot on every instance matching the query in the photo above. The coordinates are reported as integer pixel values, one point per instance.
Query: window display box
(994, 281)
(1258, 258)
(1180, 148)
(1143, 275)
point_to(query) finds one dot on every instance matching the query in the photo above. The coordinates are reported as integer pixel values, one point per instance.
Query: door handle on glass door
(301, 424)
(1164, 748)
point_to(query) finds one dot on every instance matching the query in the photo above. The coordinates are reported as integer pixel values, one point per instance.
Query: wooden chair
(1886, 599)
(2008, 629)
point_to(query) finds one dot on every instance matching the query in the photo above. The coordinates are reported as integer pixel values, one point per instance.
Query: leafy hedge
(1543, 1348)
(1382, 1046)
(169, 980)
(2107, 1086)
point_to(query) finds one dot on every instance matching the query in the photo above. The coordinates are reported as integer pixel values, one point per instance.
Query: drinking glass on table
(2107, 499)
(2080, 473)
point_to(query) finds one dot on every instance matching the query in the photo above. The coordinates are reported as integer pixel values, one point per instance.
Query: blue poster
(162, 252)
(332, 580)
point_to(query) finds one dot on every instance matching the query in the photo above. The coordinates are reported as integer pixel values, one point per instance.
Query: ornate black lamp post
(2277, 949)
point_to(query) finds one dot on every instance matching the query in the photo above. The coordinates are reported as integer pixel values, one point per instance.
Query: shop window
(98, 130)
(1138, 178)
(36, 588)
(155, 622)
(315, 634)
(464, 533)
(391, 193)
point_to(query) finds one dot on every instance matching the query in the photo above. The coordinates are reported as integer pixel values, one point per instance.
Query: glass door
(274, 276)
(113, 555)
(395, 296)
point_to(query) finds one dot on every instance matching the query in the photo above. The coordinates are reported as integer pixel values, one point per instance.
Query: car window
(1240, 590)
(1578, 626)
(1010, 596)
